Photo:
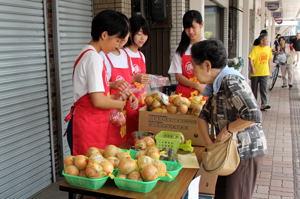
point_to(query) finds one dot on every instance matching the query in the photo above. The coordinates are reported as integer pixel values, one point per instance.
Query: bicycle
(279, 58)
(273, 77)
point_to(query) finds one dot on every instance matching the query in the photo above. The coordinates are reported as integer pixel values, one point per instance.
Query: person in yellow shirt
(260, 64)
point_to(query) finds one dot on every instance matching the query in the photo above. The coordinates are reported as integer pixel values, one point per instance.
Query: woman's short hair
(211, 50)
(115, 23)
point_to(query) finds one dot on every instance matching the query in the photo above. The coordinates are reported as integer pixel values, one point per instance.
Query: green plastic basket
(169, 139)
(83, 182)
(136, 186)
(173, 168)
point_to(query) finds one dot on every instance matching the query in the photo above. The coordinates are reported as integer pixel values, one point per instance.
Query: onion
(135, 175)
(171, 108)
(126, 166)
(107, 166)
(161, 167)
(69, 160)
(149, 100)
(82, 173)
(140, 145)
(115, 161)
(97, 158)
(123, 176)
(94, 171)
(149, 141)
(123, 154)
(92, 150)
(140, 153)
(143, 161)
(110, 151)
(149, 172)
(80, 161)
(156, 104)
(183, 109)
(72, 170)
(178, 101)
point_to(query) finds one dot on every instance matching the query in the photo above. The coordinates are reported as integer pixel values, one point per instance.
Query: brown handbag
(221, 158)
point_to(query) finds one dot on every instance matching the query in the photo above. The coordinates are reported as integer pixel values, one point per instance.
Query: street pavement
(279, 177)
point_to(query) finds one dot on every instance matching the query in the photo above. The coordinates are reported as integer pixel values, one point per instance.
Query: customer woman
(93, 102)
(286, 59)
(231, 108)
(181, 64)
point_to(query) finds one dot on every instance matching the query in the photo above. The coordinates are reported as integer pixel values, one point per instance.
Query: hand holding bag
(221, 158)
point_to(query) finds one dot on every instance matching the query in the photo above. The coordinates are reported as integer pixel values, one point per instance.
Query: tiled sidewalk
(277, 178)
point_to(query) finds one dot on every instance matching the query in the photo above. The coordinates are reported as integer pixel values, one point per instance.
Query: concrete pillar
(199, 5)
(273, 34)
(245, 37)
(263, 11)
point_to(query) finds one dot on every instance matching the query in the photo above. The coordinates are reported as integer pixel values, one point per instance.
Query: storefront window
(214, 24)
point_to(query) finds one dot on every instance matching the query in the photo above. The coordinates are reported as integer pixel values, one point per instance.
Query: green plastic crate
(83, 182)
(169, 139)
(136, 186)
(173, 168)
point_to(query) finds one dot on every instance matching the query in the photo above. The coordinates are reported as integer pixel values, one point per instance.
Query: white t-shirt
(88, 73)
(176, 65)
(119, 61)
(135, 55)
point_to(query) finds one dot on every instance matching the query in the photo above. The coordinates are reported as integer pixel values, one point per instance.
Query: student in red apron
(181, 64)
(139, 34)
(119, 73)
(93, 102)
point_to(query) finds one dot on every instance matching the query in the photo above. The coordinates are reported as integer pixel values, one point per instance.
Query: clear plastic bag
(157, 81)
(117, 118)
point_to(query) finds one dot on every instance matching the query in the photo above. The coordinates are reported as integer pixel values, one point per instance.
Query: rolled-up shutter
(72, 28)
(25, 120)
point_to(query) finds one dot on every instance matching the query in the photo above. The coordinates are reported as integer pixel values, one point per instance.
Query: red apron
(132, 122)
(187, 71)
(118, 74)
(90, 124)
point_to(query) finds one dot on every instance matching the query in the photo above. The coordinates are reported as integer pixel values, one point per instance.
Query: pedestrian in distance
(260, 60)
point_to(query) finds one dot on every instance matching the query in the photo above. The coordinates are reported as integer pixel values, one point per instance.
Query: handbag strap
(212, 134)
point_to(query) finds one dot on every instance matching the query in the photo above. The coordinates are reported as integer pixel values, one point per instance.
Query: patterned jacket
(235, 100)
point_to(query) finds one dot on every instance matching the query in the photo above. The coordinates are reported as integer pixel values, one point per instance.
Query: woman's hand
(199, 87)
(120, 85)
(134, 102)
(124, 95)
(223, 135)
(142, 78)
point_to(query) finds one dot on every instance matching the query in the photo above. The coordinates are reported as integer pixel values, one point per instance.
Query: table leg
(71, 195)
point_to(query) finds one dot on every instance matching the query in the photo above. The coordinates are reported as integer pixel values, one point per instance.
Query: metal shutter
(26, 155)
(72, 27)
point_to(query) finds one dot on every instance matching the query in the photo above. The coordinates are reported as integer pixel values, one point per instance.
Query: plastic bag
(157, 81)
(117, 118)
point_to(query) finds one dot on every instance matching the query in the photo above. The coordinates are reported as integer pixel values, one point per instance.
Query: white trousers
(287, 69)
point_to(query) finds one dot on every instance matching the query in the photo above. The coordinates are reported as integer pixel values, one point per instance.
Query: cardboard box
(156, 122)
(207, 183)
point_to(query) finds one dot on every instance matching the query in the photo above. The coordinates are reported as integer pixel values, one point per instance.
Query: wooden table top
(174, 189)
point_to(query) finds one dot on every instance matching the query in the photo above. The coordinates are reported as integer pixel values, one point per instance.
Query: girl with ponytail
(181, 64)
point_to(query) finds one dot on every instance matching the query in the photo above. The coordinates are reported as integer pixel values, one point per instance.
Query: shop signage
(278, 21)
(272, 5)
(276, 15)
